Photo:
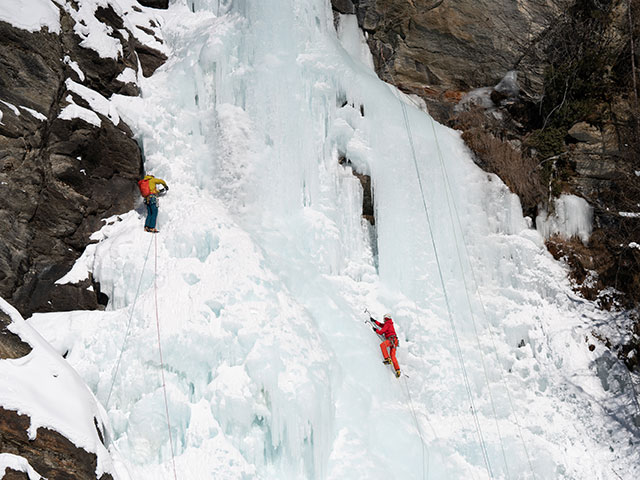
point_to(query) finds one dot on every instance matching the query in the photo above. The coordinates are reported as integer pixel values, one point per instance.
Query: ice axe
(162, 190)
(375, 327)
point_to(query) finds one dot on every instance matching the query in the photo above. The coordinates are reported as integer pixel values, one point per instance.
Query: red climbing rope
(164, 385)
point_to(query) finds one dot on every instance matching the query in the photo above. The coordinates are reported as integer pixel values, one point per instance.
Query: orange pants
(390, 343)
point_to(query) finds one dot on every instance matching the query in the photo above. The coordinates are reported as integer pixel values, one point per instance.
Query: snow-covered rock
(50, 423)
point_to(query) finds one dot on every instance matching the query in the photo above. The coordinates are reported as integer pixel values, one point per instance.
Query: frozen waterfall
(264, 266)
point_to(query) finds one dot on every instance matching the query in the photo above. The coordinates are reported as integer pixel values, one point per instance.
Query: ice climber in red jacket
(390, 340)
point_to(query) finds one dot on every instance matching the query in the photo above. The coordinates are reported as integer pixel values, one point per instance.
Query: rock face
(11, 474)
(435, 46)
(59, 178)
(155, 3)
(11, 345)
(594, 151)
(344, 6)
(50, 454)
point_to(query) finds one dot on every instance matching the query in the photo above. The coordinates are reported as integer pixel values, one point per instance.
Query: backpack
(145, 190)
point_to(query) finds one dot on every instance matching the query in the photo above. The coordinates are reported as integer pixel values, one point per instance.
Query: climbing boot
(387, 361)
(398, 373)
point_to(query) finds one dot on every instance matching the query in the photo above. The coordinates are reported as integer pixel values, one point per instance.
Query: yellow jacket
(153, 181)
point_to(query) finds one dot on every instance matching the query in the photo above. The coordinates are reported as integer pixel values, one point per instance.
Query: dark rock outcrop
(50, 454)
(150, 59)
(155, 3)
(11, 345)
(343, 6)
(60, 175)
(11, 474)
(59, 178)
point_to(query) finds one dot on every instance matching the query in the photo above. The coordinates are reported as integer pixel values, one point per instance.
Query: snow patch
(17, 463)
(72, 111)
(31, 15)
(150, 19)
(95, 100)
(481, 97)
(84, 265)
(95, 35)
(12, 107)
(35, 114)
(128, 75)
(74, 66)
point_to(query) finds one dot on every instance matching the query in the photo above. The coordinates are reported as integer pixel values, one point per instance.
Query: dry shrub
(595, 268)
(604, 262)
(588, 265)
(496, 155)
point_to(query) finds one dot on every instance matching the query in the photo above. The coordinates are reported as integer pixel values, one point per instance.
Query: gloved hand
(374, 329)
(166, 188)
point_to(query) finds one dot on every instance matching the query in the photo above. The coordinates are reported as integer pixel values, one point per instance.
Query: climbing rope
(164, 385)
(153, 240)
(482, 442)
(452, 207)
(425, 449)
(463, 369)
(450, 203)
(126, 335)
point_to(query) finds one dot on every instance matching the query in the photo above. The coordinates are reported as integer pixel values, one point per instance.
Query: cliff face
(436, 46)
(61, 174)
(67, 161)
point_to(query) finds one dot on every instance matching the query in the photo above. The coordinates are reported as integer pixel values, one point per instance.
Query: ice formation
(263, 267)
(572, 217)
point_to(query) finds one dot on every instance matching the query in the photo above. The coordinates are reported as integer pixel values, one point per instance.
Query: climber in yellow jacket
(149, 190)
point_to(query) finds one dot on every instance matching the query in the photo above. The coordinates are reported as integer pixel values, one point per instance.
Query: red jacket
(386, 328)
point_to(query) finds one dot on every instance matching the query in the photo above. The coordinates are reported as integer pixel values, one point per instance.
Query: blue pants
(152, 211)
